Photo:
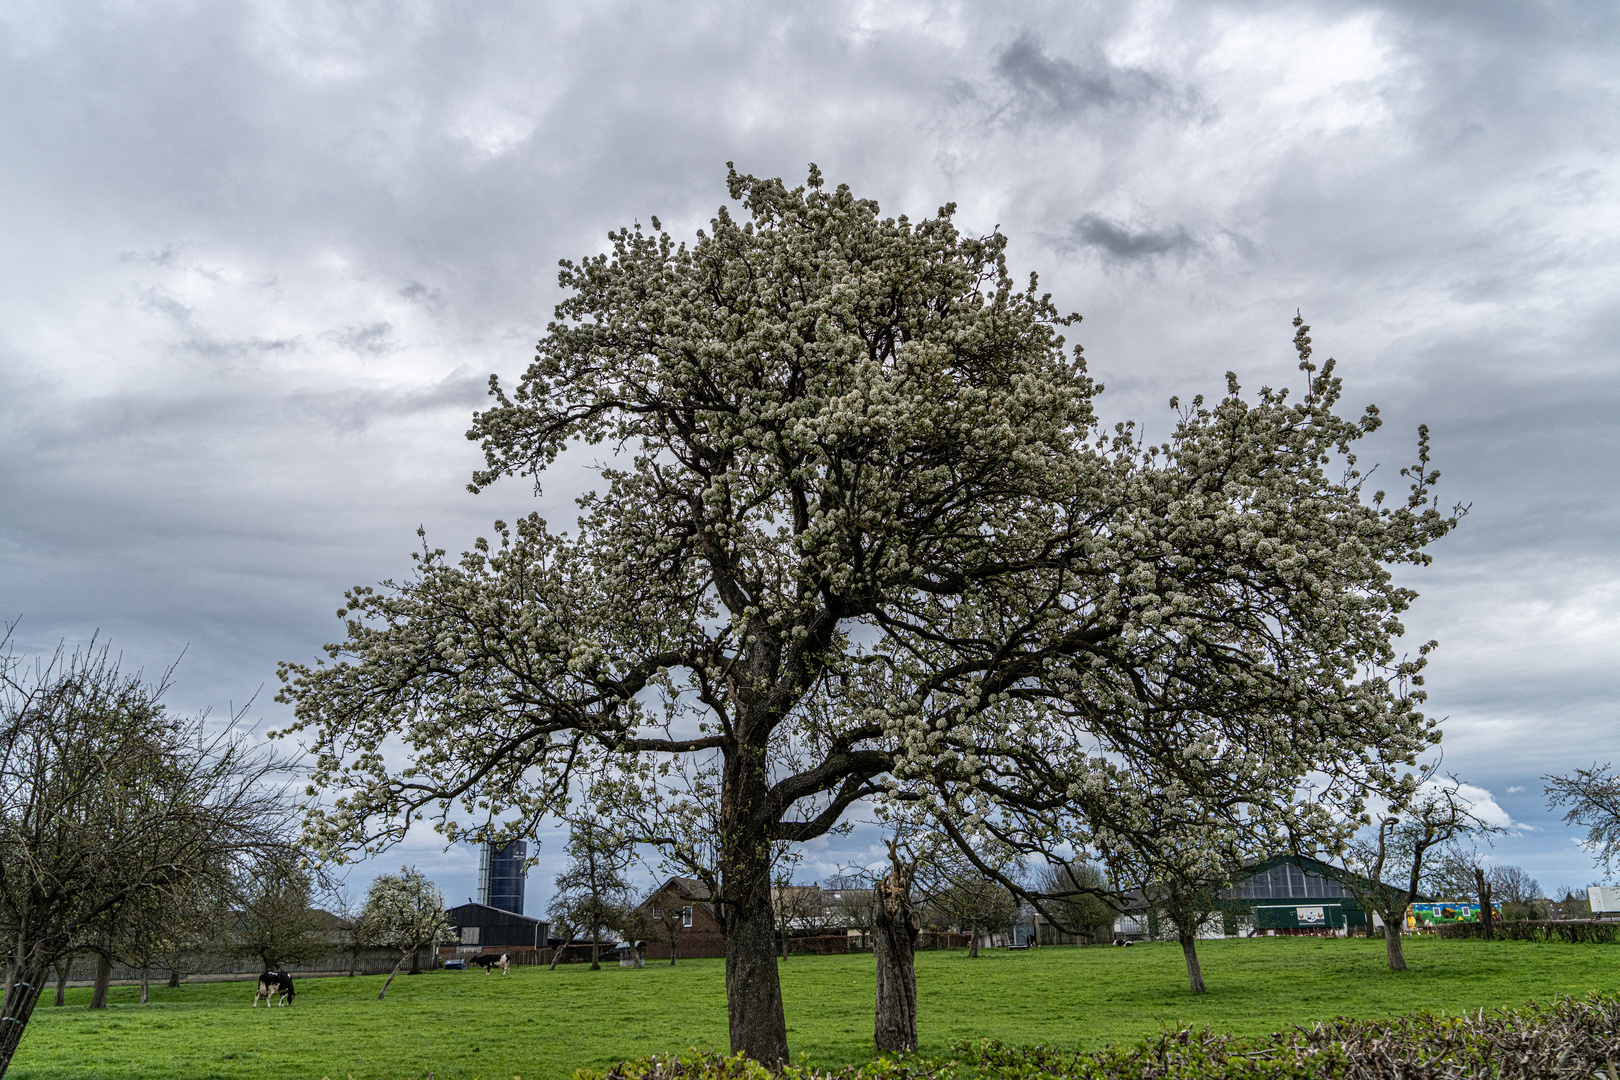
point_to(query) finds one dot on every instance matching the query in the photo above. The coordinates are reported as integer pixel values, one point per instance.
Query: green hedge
(1580, 933)
(1569, 1040)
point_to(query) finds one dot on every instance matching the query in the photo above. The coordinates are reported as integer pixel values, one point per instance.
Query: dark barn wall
(499, 928)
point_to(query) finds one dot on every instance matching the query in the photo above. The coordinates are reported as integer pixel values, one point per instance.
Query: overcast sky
(257, 262)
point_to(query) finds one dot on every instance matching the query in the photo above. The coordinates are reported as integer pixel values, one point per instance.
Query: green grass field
(542, 1025)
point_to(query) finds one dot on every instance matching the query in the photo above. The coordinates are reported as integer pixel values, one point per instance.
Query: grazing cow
(492, 961)
(274, 984)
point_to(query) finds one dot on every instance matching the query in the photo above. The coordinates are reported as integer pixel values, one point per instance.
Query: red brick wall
(689, 946)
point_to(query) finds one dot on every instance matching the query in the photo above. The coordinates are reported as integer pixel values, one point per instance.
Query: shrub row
(1580, 933)
(1569, 1040)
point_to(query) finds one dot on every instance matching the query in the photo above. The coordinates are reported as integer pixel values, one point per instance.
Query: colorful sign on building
(1440, 912)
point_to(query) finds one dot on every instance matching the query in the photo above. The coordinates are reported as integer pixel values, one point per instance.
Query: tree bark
(416, 960)
(556, 956)
(403, 956)
(894, 946)
(63, 968)
(1195, 974)
(758, 1026)
(1392, 943)
(174, 978)
(98, 997)
(146, 985)
(21, 997)
(1484, 903)
(973, 941)
(596, 954)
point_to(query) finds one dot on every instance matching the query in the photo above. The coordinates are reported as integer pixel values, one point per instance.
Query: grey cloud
(1119, 241)
(197, 340)
(430, 298)
(212, 348)
(167, 255)
(355, 410)
(372, 339)
(1063, 86)
(161, 301)
(1446, 230)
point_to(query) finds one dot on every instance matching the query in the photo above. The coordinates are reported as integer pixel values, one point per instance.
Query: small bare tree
(1076, 894)
(670, 918)
(1433, 814)
(794, 906)
(354, 932)
(1463, 872)
(850, 902)
(955, 885)
(277, 921)
(1518, 893)
(592, 893)
(1592, 801)
(106, 801)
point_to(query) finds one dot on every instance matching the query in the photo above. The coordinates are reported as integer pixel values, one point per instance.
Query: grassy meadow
(542, 1025)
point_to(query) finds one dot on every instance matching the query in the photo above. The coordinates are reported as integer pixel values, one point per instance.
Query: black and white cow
(490, 960)
(274, 984)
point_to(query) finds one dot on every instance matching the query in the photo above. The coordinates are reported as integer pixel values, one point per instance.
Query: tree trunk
(174, 978)
(1195, 974)
(1484, 903)
(556, 956)
(354, 961)
(416, 960)
(1392, 944)
(21, 997)
(63, 968)
(757, 1025)
(894, 947)
(596, 954)
(98, 997)
(973, 941)
(672, 939)
(403, 956)
(146, 985)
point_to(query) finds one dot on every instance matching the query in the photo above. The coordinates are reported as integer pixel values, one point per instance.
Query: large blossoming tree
(858, 534)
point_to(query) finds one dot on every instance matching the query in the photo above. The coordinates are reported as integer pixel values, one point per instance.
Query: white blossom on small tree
(405, 911)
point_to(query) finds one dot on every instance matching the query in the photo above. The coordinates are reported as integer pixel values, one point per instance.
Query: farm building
(679, 914)
(483, 929)
(1286, 894)
(1292, 894)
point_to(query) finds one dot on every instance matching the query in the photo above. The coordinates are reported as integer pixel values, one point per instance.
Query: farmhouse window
(658, 912)
(686, 915)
